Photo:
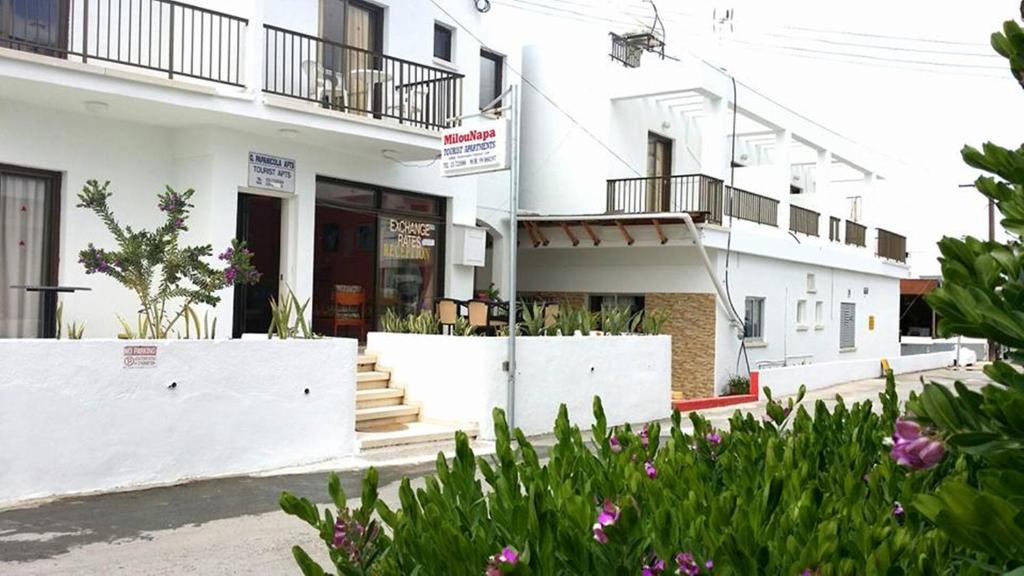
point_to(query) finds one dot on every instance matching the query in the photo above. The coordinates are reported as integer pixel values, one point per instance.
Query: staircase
(384, 418)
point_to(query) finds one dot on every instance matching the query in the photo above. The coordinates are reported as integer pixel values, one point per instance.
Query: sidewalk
(233, 526)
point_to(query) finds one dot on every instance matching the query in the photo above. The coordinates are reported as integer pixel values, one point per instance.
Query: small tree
(981, 505)
(153, 265)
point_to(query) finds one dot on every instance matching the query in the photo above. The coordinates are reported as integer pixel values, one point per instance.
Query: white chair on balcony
(411, 102)
(323, 85)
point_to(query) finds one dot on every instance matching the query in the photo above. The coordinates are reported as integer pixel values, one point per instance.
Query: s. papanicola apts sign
(475, 148)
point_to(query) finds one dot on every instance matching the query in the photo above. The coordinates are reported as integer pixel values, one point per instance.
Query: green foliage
(391, 322)
(618, 320)
(424, 323)
(72, 331)
(288, 318)
(533, 319)
(981, 505)
(806, 490)
(654, 321)
(151, 263)
(738, 385)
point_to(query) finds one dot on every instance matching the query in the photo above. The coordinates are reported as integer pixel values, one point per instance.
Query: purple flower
(714, 438)
(710, 565)
(230, 274)
(599, 534)
(914, 447)
(686, 565)
(615, 444)
(509, 556)
(644, 436)
(898, 512)
(226, 254)
(607, 515)
(651, 471)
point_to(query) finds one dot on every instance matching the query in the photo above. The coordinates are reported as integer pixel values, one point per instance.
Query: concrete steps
(378, 404)
(384, 415)
(371, 379)
(376, 397)
(410, 433)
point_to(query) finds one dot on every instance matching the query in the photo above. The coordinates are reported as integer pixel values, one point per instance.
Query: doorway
(39, 26)
(358, 27)
(659, 169)
(259, 226)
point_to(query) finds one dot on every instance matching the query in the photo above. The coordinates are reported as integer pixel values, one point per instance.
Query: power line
(886, 36)
(880, 47)
(872, 57)
(534, 87)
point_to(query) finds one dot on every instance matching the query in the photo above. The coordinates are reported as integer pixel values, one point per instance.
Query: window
(811, 284)
(847, 326)
(819, 314)
(801, 313)
(599, 302)
(833, 229)
(753, 319)
(443, 36)
(491, 81)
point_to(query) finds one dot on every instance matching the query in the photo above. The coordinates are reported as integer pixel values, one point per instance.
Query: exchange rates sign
(474, 149)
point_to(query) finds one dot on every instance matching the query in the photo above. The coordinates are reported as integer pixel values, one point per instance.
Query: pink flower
(915, 448)
(616, 446)
(651, 471)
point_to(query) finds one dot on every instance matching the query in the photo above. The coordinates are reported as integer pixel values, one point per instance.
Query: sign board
(475, 148)
(404, 239)
(273, 172)
(139, 357)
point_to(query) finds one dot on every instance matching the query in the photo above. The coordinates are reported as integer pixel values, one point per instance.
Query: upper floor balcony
(177, 40)
(711, 201)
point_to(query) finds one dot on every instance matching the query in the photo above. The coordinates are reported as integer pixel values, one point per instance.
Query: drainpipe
(723, 298)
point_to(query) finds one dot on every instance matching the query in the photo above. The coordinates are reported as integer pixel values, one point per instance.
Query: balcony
(891, 246)
(162, 36)
(856, 234)
(693, 193)
(744, 205)
(803, 220)
(359, 82)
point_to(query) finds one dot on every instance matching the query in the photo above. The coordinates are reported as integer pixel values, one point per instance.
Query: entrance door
(344, 261)
(259, 225)
(659, 168)
(29, 210)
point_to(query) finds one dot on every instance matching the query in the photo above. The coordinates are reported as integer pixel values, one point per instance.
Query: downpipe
(723, 297)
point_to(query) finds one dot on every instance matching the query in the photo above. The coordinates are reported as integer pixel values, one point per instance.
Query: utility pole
(993, 347)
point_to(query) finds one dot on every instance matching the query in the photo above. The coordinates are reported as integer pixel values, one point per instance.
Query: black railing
(359, 81)
(160, 35)
(695, 193)
(856, 234)
(744, 205)
(892, 246)
(625, 52)
(803, 220)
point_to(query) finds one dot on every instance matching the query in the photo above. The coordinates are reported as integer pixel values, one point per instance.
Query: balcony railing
(803, 220)
(695, 193)
(160, 35)
(892, 246)
(856, 234)
(833, 229)
(744, 205)
(359, 81)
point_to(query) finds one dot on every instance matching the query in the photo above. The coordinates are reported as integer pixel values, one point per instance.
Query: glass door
(408, 264)
(39, 26)
(357, 66)
(28, 242)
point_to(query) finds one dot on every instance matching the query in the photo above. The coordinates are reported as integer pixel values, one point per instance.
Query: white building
(354, 93)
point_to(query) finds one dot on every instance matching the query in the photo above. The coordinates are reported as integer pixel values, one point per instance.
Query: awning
(586, 227)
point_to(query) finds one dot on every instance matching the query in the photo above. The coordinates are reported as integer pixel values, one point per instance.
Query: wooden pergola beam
(625, 233)
(568, 232)
(661, 234)
(540, 233)
(590, 232)
(533, 237)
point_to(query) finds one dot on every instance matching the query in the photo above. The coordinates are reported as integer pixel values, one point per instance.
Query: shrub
(151, 264)
(798, 491)
(738, 385)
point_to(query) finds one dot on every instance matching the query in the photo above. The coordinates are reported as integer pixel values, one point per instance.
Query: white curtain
(22, 253)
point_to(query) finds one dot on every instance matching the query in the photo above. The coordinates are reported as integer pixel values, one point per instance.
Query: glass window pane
(490, 77)
(408, 265)
(442, 43)
(348, 194)
(409, 203)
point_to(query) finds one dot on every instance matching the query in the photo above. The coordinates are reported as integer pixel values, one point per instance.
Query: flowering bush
(155, 267)
(799, 493)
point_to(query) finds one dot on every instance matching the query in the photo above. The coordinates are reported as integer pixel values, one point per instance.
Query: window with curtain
(491, 80)
(25, 247)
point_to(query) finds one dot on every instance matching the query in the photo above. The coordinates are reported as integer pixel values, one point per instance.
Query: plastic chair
(315, 84)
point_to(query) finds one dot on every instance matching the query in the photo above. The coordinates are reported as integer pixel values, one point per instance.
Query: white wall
(460, 379)
(73, 419)
(787, 380)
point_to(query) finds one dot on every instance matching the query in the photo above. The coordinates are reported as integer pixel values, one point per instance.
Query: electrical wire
(871, 57)
(728, 239)
(540, 92)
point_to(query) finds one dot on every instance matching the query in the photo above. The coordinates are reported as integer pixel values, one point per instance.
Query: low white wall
(787, 380)
(74, 418)
(460, 379)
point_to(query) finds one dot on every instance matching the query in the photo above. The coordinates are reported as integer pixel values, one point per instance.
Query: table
(367, 77)
(49, 295)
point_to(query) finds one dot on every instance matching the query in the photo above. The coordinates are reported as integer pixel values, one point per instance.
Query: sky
(913, 80)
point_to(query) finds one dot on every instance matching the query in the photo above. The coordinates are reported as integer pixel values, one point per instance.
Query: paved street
(233, 526)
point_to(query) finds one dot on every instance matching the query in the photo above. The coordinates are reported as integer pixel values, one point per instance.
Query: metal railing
(892, 246)
(160, 35)
(856, 234)
(359, 81)
(803, 220)
(745, 205)
(686, 193)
